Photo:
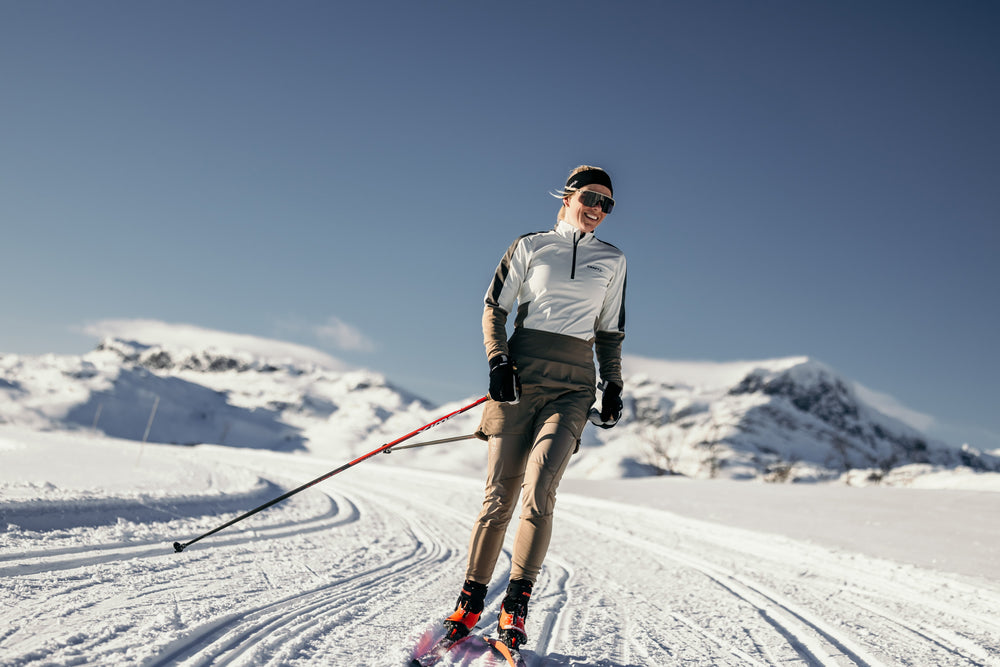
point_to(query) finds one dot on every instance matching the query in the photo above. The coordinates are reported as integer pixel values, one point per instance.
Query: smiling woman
(586, 198)
(570, 293)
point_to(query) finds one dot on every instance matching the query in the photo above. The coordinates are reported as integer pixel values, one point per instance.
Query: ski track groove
(64, 558)
(335, 512)
(942, 608)
(957, 645)
(553, 594)
(712, 638)
(814, 639)
(254, 632)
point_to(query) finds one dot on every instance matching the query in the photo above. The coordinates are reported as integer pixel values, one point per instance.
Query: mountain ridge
(785, 419)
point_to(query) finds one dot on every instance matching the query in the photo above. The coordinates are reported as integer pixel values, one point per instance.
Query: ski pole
(179, 546)
(442, 441)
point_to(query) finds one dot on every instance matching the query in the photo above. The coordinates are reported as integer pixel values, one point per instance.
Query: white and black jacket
(565, 282)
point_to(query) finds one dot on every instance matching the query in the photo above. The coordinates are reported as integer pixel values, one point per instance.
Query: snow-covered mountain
(790, 419)
(215, 395)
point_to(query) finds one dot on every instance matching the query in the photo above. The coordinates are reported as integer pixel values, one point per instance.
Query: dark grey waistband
(551, 347)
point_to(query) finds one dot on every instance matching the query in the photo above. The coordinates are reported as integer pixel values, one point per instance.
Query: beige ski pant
(530, 445)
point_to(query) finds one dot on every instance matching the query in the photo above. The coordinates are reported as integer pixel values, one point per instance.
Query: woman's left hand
(611, 407)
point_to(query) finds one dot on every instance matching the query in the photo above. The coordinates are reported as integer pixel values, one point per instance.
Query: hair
(564, 192)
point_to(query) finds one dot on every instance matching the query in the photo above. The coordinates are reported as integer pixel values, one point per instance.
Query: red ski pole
(178, 546)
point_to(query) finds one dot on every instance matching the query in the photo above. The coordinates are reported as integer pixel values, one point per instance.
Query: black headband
(589, 177)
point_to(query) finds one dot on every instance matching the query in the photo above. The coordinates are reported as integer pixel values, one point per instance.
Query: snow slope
(640, 571)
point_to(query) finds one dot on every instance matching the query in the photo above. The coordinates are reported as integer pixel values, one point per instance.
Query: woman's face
(585, 218)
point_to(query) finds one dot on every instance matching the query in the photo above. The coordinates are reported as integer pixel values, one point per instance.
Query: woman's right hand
(505, 386)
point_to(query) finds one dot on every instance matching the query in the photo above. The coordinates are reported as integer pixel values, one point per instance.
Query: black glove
(611, 407)
(505, 386)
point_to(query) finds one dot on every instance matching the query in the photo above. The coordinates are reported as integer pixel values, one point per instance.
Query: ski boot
(513, 612)
(468, 609)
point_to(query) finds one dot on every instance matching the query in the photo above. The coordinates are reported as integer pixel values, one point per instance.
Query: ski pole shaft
(180, 546)
(430, 442)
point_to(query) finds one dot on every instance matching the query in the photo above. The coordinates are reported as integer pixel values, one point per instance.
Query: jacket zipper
(572, 271)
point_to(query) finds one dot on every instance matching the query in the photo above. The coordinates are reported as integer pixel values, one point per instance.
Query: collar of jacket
(571, 233)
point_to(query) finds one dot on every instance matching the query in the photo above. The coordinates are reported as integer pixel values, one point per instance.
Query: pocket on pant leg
(507, 418)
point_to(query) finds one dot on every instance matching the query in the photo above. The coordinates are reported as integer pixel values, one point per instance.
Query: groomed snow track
(355, 570)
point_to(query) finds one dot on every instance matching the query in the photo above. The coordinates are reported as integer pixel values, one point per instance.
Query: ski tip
(512, 656)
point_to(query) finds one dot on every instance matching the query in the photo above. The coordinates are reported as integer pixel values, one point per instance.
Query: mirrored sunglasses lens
(591, 198)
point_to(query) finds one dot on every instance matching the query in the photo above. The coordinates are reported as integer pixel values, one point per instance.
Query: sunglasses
(591, 198)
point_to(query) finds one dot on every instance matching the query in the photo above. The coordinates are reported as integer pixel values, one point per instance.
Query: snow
(653, 571)
(895, 566)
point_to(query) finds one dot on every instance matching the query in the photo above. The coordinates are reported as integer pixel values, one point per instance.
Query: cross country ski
(467, 647)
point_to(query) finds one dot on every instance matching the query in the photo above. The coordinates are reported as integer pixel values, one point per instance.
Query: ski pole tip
(178, 547)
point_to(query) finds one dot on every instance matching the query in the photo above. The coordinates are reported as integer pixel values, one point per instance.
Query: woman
(570, 291)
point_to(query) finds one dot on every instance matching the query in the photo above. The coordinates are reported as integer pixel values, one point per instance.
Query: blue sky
(792, 178)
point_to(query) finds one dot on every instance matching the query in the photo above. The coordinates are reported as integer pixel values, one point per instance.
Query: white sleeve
(509, 276)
